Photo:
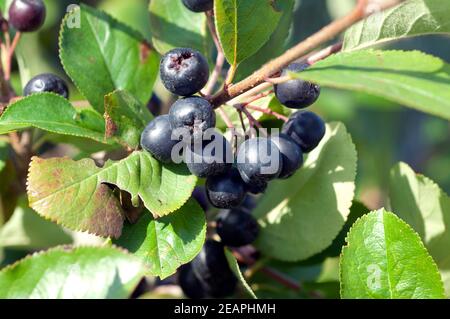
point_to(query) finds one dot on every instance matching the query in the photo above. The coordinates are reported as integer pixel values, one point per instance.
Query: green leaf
(301, 216)
(4, 154)
(173, 25)
(422, 204)
(410, 78)
(385, 259)
(276, 44)
(28, 231)
(125, 118)
(166, 243)
(334, 250)
(104, 55)
(408, 19)
(53, 113)
(234, 266)
(244, 26)
(76, 195)
(72, 273)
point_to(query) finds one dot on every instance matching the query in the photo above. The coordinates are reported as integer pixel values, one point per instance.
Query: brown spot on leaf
(144, 52)
(107, 219)
(111, 127)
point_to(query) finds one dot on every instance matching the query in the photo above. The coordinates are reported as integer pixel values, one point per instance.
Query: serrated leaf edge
(384, 211)
(103, 141)
(61, 38)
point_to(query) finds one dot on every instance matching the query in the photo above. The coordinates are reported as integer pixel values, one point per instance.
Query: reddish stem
(220, 60)
(268, 112)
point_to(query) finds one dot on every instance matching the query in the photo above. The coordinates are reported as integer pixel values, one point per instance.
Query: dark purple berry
(47, 83)
(184, 71)
(27, 15)
(306, 128)
(157, 139)
(226, 190)
(199, 5)
(212, 269)
(191, 286)
(291, 154)
(210, 157)
(237, 228)
(297, 94)
(199, 195)
(259, 161)
(192, 116)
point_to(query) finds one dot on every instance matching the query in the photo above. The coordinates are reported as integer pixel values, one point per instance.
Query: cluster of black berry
(259, 160)
(29, 16)
(229, 178)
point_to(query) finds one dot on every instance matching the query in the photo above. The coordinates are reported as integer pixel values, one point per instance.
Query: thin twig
(225, 118)
(241, 118)
(268, 112)
(242, 256)
(257, 97)
(325, 53)
(220, 59)
(327, 33)
(281, 278)
(256, 90)
(10, 54)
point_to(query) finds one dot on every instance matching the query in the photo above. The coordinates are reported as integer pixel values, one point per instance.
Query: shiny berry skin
(236, 228)
(47, 83)
(209, 158)
(184, 71)
(27, 15)
(296, 94)
(157, 139)
(259, 161)
(192, 116)
(212, 269)
(226, 190)
(306, 128)
(199, 5)
(191, 286)
(291, 154)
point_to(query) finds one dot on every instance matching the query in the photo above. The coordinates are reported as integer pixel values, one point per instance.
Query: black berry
(157, 139)
(291, 154)
(226, 190)
(210, 157)
(27, 15)
(248, 204)
(259, 161)
(258, 187)
(155, 105)
(46, 83)
(212, 270)
(199, 195)
(237, 228)
(296, 94)
(306, 128)
(192, 116)
(199, 5)
(191, 286)
(184, 71)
